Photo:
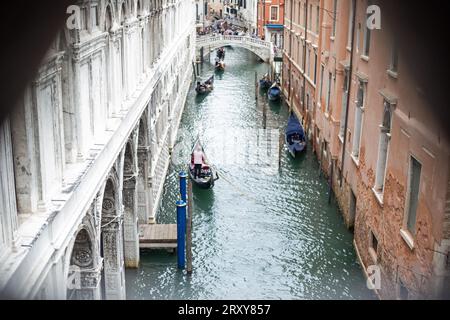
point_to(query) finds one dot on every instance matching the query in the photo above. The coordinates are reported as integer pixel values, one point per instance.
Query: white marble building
(84, 155)
(248, 10)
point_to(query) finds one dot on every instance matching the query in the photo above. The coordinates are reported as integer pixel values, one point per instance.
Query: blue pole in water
(183, 185)
(181, 231)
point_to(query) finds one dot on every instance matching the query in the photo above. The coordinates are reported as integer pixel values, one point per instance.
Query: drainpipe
(257, 18)
(264, 19)
(290, 58)
(304, 60)
(344, 144)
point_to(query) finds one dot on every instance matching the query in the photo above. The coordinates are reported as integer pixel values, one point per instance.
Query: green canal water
(258, 234)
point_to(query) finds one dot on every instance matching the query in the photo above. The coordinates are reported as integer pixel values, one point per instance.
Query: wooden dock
(158, 236)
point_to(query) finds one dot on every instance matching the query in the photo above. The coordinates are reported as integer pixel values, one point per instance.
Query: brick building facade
(368, 110)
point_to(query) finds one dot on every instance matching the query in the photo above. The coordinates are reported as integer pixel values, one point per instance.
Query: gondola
(205, 87)
(295, 137)
(207, 176)
(220, 65)
(264, 82)
(221, 53)
(274, 92)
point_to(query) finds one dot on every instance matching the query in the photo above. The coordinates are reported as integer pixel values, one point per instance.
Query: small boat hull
(221, 54)
(274, 93)
(207, 176)
(264, 84)
(295, 137)
(205, 87)
(203, 91)
(202, 183)
(296, 148)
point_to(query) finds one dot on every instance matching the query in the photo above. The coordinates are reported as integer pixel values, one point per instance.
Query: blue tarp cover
(274, 90)
(294, 126)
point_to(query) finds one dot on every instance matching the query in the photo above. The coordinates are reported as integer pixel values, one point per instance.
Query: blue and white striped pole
(181, 232)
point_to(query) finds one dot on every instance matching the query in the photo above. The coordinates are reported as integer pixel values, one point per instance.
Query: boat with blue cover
(264, 82)
(274, 92)
(295, 137)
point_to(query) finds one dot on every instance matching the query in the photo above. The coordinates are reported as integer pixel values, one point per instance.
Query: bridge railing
(207, 40)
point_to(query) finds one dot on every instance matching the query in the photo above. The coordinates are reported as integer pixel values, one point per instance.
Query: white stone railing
(209, 40)
(264, 49)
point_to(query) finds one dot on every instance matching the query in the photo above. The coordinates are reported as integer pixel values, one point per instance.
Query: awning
(345, 64)
(274, 26)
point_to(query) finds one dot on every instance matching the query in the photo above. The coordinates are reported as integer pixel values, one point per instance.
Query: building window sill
(378, 196)
(355, 160)
(365, 58)
(392, 74)
(408, 238)
(373, 255)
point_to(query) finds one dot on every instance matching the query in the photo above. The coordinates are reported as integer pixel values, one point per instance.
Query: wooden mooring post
(195, 71)
(280, 150)
(256, 87)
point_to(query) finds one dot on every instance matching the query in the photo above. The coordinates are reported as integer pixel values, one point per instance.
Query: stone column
(113, 259)
(78, 106)
(125, 67)
(111, 74)
(8, 209)
(131, 227)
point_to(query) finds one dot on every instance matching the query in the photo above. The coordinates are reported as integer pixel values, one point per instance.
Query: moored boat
(207, 175)
(265, 83)
(295, 137)
(274, 92)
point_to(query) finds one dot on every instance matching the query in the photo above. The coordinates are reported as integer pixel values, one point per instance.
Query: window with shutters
(359, 113)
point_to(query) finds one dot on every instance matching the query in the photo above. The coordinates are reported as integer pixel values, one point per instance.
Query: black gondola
(264, 82)
(207, 175)
(295, 137)
(221, 53)
(205, 87)
(274, 92)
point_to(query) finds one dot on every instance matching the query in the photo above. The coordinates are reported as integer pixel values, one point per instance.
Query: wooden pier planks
(158, 236)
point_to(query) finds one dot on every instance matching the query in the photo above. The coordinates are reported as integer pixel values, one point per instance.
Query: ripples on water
(256, 236)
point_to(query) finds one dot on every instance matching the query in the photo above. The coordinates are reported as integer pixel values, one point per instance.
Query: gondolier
(200, 171)
(199, 158)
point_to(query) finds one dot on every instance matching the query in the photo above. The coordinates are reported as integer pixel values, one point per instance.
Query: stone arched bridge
(263, 49)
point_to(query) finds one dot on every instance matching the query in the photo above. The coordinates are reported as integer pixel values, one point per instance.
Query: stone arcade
(84, 156)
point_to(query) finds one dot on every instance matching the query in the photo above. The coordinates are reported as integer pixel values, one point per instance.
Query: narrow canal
(257, 234)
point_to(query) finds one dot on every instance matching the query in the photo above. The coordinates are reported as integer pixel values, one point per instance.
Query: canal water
(259, 233)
